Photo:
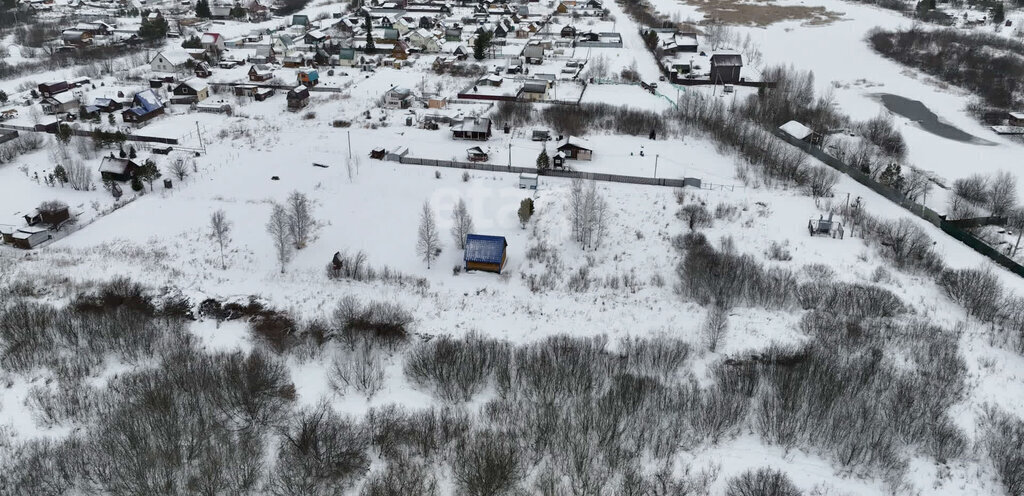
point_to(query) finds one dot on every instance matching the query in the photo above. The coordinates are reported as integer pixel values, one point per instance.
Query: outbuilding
(726, 67)
(487, 253)
(28, 238)
(528, 181)
(576, 149)
(298, 97)
(473, 128)
(117, 169)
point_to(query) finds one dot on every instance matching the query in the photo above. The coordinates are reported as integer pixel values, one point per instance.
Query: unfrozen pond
(929, 121)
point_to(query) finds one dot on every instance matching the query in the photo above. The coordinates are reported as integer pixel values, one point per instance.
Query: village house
(424, 40)
(74, 37)
(533, 53)
(298, 98)
(170, 61)
(486, 253)
(203, 70)
(191, 91)
(472, 128)
(117, 169)
(53, 87)
(534, 90)
(60, 103)
(260, 72)
(398, 97)
(576, 149)
(145, 106)
(308, 77)
(401, 50)
(476, 154)
(212, 43)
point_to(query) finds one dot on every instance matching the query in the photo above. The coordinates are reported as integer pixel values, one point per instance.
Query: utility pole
(510, 155)
(656, 165)
(200, 136)
(349, 133)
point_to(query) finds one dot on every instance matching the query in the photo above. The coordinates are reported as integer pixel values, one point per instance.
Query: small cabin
(28, 238)
(476, 154)
(576, 149)
(117, 169)
(261, 94)
(298, 97)
(486, 253)
(260, 72)
(558, 161)
(472, 128)
(528, 181)
(53, 88)
(1016, 119)
(308, 78)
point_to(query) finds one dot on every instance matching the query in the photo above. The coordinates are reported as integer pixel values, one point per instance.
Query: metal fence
(88, 133)
(949, 227)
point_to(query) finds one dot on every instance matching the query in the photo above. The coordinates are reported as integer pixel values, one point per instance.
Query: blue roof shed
(485, 252)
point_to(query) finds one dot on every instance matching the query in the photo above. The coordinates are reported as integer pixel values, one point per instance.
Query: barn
(487, 253)
(726, 67)
(27, 238)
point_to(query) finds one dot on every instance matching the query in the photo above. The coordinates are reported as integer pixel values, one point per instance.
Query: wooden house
(117, 169)
(576, 149)
(60, 103)
(203, 70)
(50, 213)
(260, 72)
(170, 61)
(192, 91)
(534, 90)
(472, 128)
(401, 50)
(308, 78)
(53, 88)
(1015, 118)
(76, 38)
(298, 98)
(145, 106)
(262, 94)
(486, 253)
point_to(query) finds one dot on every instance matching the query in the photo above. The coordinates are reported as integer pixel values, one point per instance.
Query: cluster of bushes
(990, 65)
(356, 267)
(583, 119)
(726, 278)
(978, 194)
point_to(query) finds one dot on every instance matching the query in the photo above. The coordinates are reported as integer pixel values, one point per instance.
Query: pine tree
(543, 162)
(481, 44)
(525, 211)
(111, 119)
(369, 35)
(61, 174)
(892, 176)
(203, 9)
(131, 152)
(998, 13)
(148, 172)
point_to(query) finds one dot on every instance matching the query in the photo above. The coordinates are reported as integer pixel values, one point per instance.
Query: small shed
(487, 253)
(309, 77)
(798, 131)
(298, 98)
(203, 70)
(558, 161)
(260, 72)
(261, 94)
(476, 154)
(576, 149)
(528, 181)
(540, 135)
(7, 233)
(1016, 118)
(28, 238)
(60, 103)
(378, 153)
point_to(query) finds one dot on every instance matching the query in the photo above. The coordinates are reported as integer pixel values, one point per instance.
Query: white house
(424, 40)
(170, 61)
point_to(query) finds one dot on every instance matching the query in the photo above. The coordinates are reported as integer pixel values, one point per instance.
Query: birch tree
(220, 232)
(279, 228)
(301, 224)
(462, 224)
(429, 241)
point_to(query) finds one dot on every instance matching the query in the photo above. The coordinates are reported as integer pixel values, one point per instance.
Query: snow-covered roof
(796, 130)
(196, 84)
(577, 142)
(174, 57)
(115, 165)
(65, 97)
(473, 125)
(485, 249)
(148, 100)
(210, 38)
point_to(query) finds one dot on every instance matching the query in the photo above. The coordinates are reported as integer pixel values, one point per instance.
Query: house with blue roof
(145, 106)
(486, 253)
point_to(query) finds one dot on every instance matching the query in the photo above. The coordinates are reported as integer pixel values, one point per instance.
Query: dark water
(918, 112)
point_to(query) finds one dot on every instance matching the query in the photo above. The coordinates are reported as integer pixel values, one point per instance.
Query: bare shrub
(779, 251)
(711, 277)
(881, 131)
(455, 369)
(319, 452)
(1004, 443)
(695, 216)
(488, 463)
(906, 244)
(852, 300)
(361, 370)
(977, 290)
(386, 322)
(715, 325)
(762, 482)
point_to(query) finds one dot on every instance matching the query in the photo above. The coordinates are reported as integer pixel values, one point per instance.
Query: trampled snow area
(248, 161)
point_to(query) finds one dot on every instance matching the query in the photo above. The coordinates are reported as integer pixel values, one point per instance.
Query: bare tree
(917, 184)
(179, 169)
(79, 176)
(587, 213)
(220, 232)
(279, 228)
(1002, 193)
(462, 224)
(301, 224)
(429, 242)
(715, 326)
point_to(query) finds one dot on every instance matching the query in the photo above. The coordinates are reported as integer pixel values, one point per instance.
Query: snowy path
(632, 41)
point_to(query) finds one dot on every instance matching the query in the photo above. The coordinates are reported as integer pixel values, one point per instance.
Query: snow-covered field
(625, 286)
